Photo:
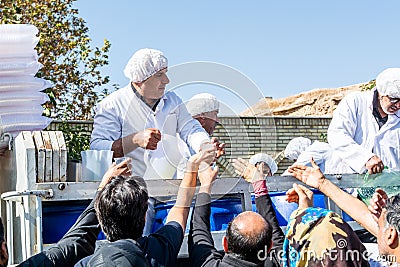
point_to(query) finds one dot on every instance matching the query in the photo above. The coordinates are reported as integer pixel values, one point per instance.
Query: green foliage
(323, 137)
(65, 50)
(76, 137)
(368, 86)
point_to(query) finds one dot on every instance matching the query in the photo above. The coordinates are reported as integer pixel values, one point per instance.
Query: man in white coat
(301, 150)
(134, 120)
(365, 128)
(204, 108)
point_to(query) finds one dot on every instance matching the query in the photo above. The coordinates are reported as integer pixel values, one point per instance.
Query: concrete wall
(245, 136)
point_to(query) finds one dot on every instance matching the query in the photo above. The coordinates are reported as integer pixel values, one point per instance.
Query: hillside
(317, 102)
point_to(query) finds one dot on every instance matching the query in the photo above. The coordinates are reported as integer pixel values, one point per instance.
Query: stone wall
(245, 136)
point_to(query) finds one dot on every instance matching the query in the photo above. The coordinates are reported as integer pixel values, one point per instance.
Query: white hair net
(145, 63)
(202, 103)
(296, 146)
(262, 157)
(388, 82)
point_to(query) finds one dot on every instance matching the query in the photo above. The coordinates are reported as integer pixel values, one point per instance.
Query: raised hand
(148, 138)
(248, 171)
(207, 175)
(207, 152)
(115, 170)
(377, 203)
(220, 147)
(300, 195)
(311, 176)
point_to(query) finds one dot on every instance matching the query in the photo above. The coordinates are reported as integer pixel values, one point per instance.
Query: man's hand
(300, 195)
(147, 139)
(248, 171)
(378, 203)
(115, 170)
(374, 165)
(206, 156)
(311, 176)
(220, 147)
(207, 153)
(207, 176)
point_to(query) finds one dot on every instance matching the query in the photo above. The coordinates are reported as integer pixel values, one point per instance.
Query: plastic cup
(121, 159)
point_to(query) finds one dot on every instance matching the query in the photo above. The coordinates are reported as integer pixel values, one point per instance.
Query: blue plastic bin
(58, 217)
(222, 212)
(283, 209)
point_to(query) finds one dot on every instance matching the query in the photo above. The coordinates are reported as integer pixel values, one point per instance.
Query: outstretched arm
(200, 242)
(80, 239)
(180, 210)
(301, 195)
(263, 201)
(313, 176)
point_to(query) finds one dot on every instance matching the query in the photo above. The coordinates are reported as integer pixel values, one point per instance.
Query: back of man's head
(121, 207)
(392, 212)
(247, 235)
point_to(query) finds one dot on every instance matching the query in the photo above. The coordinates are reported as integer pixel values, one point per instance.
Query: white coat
(355, 134)
(328, 161)
(123, 113)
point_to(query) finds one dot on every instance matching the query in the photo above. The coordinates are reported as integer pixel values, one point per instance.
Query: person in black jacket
(121, 207)
(248, 237)
(80, 239)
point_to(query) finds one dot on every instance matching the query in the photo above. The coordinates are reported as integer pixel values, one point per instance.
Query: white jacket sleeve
(107, 127)
(342, 131)
(190, 130)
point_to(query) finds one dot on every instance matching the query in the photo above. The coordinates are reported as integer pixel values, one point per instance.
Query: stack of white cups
(20, 96)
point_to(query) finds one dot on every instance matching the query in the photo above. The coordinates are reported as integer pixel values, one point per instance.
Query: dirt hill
(317, 102)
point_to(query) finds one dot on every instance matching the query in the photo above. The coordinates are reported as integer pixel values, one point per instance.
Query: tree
(65, 51)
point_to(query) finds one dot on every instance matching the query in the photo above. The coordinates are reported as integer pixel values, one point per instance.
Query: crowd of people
(364, 136)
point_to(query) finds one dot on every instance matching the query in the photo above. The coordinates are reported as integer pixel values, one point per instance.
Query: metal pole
(39, 238)
(10, 237)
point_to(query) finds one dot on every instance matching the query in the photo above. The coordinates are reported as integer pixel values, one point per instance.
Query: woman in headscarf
(319, 237)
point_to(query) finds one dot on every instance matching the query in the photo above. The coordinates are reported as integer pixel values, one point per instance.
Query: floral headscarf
(319, 237)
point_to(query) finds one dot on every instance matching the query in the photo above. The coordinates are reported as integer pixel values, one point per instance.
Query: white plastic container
(95, 163)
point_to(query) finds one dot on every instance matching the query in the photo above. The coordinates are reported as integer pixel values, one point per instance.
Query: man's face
(389, 105)
(209, 121)
(154, 87)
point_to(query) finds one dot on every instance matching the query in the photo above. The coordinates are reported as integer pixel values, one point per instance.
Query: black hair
(121, 207)
(393, 214)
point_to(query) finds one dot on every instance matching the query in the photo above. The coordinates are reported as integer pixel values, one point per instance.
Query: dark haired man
(121, 209)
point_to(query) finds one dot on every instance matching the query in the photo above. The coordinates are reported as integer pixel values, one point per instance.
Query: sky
(242, 51)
